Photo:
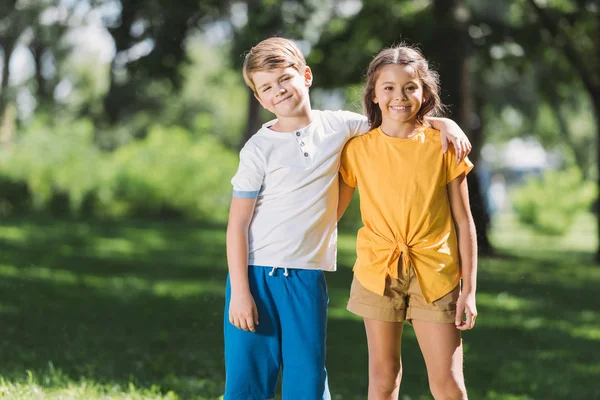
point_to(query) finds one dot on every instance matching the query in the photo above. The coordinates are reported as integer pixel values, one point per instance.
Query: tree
(573, 28)
(149, 37)
(348, 44)
(266, 19)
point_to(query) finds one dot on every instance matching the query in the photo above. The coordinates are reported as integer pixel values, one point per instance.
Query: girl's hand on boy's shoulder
(466, 306)
(242, 311)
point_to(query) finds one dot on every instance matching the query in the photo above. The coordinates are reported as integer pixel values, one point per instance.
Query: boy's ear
(308, 76)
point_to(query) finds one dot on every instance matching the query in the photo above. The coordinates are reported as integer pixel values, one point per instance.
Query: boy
(282, 234)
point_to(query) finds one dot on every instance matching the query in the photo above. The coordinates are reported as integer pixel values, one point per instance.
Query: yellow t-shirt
(405, 209)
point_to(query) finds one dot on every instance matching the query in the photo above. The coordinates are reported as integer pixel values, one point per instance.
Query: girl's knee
(385, 376)
(448, 389)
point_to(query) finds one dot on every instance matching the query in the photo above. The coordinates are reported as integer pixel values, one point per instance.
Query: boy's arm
(467, 245)
(345, 196)
(450, 132)
(242, 308)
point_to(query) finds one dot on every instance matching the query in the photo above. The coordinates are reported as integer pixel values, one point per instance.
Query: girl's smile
(399, 95)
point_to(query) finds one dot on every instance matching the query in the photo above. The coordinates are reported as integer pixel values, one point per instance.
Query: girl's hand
(466, 305)
(242, 311)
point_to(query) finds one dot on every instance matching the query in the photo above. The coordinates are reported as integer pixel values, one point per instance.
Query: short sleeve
(453, 171)
(357, 123)
(347, 164)
(249, 177)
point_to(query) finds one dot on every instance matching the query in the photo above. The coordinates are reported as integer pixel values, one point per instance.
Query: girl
(418, 237)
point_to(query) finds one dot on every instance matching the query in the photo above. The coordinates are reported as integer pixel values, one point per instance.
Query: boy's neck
(402, 130)
(290, 124)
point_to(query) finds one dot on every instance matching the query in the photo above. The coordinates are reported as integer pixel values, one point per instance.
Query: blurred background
(120, 126)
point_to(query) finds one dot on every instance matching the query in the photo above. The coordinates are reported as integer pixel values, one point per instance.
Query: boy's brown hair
(270, 54)
(403, 55)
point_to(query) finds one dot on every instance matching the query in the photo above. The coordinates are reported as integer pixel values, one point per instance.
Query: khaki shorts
(402, 300)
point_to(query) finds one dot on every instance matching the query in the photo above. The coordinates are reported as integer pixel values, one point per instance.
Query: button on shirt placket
(302, 144)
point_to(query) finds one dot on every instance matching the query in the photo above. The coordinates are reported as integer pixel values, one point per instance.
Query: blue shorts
(292, 315)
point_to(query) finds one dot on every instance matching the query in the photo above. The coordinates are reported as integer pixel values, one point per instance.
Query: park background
(120, 126)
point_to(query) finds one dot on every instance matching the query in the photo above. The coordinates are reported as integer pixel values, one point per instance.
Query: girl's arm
(242, 309)
(467, 245)
(345, 195)
(450, 132)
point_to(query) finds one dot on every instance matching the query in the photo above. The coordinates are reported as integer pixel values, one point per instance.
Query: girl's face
(398, 93)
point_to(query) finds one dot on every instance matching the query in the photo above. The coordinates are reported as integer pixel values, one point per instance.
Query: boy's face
(399, 93)
(283, 91)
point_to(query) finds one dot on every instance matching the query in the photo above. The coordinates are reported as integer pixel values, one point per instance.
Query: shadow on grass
(150, 315)
(142, 302)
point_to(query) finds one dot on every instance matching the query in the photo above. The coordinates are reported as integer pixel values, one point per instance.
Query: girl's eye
(388, 88)
(411, 88)
(266, 89)
(287, 78)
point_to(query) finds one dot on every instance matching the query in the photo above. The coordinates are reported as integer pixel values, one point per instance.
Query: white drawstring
(285, 271)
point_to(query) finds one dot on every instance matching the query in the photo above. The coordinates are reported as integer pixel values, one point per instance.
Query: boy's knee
(386, 376)
(448, 389)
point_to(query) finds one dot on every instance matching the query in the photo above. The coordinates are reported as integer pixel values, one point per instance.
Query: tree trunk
(8, 48)
(121, 35)
(6, 113)
(452, 62)
(596, 104)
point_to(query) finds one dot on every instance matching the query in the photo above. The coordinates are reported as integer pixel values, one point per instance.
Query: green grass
(94, 310)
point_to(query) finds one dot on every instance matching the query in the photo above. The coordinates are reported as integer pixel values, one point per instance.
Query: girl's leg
(385, 366)
(441, 346)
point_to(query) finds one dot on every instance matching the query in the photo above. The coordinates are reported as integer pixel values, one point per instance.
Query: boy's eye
(388, 88)
(285, 78)
(266, 89)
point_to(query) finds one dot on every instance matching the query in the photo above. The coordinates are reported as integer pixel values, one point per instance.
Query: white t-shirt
(294, 176)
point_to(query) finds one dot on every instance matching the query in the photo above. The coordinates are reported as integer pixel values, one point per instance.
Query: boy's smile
(283, 91)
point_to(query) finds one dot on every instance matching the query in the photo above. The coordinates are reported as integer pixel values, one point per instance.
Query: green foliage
(168, 172)
(61, 159)
(551, 203)
(171, 170)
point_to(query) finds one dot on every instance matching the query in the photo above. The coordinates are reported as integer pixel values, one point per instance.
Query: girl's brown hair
(403, 55)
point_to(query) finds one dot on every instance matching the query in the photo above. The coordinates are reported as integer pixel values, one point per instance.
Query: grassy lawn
(93, 310)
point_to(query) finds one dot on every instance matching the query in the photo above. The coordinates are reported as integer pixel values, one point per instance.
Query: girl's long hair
(403, 55)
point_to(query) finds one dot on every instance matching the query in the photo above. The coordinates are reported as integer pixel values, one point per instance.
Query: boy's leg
(303, 314)
(253, 359)
(385, 366)
(442, 350)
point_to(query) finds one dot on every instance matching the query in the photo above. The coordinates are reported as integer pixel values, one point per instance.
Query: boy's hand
(242, 311)
(466, 305)
(450, 132)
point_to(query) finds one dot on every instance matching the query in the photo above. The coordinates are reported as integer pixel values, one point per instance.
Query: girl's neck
(402, 130)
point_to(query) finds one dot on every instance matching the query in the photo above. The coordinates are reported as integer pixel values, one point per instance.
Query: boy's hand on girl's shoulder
(450, 132)
(466, 306)
(242, 312)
